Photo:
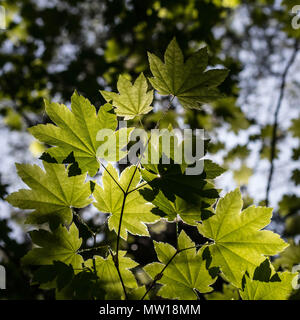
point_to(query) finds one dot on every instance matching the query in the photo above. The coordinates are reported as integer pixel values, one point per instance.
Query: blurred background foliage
(52, 47)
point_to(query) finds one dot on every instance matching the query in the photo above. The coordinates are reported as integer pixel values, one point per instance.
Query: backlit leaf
(184, 274)
(133, 99)
(109, 199)
(239, 243)
(60, 245)
(188, 81)
(108, 276)
(52, 193)
(75, 131)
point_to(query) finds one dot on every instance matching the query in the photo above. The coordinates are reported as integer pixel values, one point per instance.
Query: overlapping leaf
(133, 99)
(109, 199)
(239, 242)
(52, 193)
(108, 276)
(60, 245)
(175, 193)
(170, 179)
(75, 131)
(188, 81)
(184, 274)
(273, 290)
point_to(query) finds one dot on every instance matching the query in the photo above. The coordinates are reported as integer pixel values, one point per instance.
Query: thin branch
(120, 225)
(275, 122)
(116, 262)
(93, 248)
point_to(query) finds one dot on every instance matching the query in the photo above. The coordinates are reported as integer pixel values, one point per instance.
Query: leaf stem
(116, 262)
(93, 248)
(120, 225)
(139, 187)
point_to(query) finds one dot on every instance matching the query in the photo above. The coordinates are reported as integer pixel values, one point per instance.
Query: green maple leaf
(61, 245)
(212, 169)
(239, 242)
(273, 290)
(55, 275)
(76, 131)
(108, 276)
(266, 284)
(172, 181)
(188, 80)
(109, 199)
(133, 99)
(185, 273)
(175, 193)
(189, 212)
(52, 193)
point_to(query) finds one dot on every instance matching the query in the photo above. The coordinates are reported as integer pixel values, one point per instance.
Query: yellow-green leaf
(273, 290)
(239, 243)
(188, 81)
(109, 199)
(109, 279)
(61, 245)
(75, 131)
(185, 273)
(133, 99)
(52, 193)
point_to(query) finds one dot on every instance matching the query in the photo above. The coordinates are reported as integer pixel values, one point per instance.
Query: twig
(116, 262)
(139, 187)
(93, 248)
(275, 123)
(120, 225)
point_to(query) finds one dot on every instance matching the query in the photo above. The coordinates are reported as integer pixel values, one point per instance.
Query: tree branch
(275, 122)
